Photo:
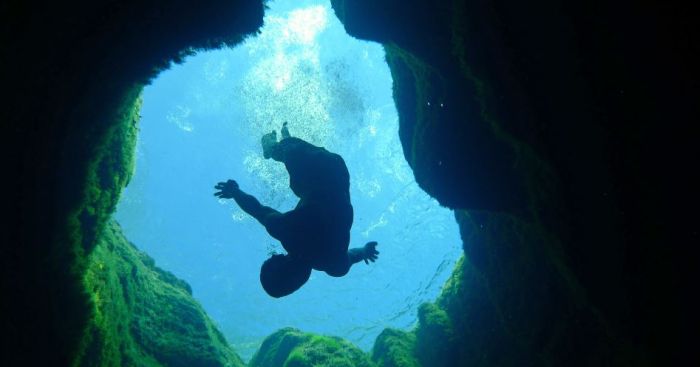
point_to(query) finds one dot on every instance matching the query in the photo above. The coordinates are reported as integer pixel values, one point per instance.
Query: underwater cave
(535, 158)
(201, 123)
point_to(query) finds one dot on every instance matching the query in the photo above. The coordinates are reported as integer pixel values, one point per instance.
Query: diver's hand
(370, 252)
(226, 189)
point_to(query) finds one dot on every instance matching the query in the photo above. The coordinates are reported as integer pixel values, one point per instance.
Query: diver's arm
(367, 253)
(248, 203)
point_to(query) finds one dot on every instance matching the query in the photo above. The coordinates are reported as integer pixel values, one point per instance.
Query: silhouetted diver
(316, 233)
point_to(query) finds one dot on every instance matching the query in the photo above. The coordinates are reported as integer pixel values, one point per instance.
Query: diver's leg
(285, 131)
(269, 144)
(291, 149)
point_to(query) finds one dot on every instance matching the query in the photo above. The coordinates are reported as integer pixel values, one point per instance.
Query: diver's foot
(268, 141)
(285, 131)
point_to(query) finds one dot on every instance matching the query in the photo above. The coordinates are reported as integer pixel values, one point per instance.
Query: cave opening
(202, 122)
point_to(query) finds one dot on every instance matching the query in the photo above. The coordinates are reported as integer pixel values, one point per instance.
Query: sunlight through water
(201, 124)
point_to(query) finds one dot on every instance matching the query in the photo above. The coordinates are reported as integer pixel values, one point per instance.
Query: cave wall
(73, 72)
(559, 131)
(143, 315)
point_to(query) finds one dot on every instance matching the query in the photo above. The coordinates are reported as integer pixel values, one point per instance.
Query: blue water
(201, 124)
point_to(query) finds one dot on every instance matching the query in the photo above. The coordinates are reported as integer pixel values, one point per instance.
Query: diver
(316, 233)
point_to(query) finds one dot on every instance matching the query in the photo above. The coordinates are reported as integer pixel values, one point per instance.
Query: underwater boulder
(290, 347)
(143, 315)
(395, 348)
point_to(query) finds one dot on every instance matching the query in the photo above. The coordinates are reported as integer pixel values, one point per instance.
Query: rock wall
(290, 347)
(544, 125)
(560, 131)
(143, 315)
(73, 72)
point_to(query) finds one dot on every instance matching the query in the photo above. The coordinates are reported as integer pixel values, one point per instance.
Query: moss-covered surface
(434, 336)
(395, 348)
(446, 123)
(506, 115)
(440, 147)
(561, 130)
(144, 316)
(290, 347)
(507, 303)
(76, 70)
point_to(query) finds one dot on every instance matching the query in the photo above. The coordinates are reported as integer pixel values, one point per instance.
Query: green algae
(73, 114)
(434, 335)
(482, 299)
(395, 348)
(290, 347)
(143, 315)
(516, 295)
(109, 169)
(104, 174)
(485, 314)
(416, 86)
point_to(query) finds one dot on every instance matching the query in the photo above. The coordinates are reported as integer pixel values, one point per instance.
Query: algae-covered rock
(449, 129)
(145, 316)
(395, 348)
(568, 79)
(276, 348)
(290, 347)
(505, 108)
(434, 335)
(69, 140)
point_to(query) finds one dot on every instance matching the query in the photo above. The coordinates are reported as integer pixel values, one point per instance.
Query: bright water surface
(201, 124)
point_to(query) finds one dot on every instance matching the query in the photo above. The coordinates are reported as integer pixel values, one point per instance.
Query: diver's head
(281, 275)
